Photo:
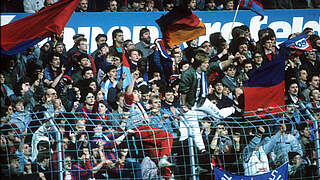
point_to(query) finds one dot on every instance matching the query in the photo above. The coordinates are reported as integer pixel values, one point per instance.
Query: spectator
(75, 170)
(292, 95)
(83, 6)
(230, 79)
(247, 66)
(297, 166)
(210, 5)
(314, 99)
(302, 78)
(167, 5)
(308, 146)
(88, 98)
(74, 48)
(313, 82)
(287, 143)
(33, 6)
(158, 142)
(41, 166)
(310, 63)
(256, 161)
(54, 72)
(100, 39)
(117, 39)
(82, 70)
(20, 117)
(7, 94)
(222, 100)
(145, 45)
(41, 140)
(113, 6)
(228, 5)
(150, 6)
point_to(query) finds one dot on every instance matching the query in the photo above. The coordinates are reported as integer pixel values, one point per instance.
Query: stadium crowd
(120, 122)
(32, 6)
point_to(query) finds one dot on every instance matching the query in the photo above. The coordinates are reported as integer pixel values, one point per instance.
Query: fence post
(59, 145)
(191, 150)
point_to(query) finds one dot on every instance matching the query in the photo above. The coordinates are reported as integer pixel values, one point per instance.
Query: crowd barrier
(59, 145)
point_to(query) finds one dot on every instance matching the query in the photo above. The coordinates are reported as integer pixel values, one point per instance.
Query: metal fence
(88, 146)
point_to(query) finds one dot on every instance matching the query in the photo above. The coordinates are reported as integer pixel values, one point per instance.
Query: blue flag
(278, 174)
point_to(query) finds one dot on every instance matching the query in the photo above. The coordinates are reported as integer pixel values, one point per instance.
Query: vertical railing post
(59, 145)
(191, 150)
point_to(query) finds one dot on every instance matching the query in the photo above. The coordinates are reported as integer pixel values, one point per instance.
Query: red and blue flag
(24, 33)
(253, 5)
(265, 87)
(300, 42)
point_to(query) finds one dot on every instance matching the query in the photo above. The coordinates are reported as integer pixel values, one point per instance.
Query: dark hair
(81, 56)
(54, 54)
(100, 36)
(79, 40)
(126, 42)
(142, 31)
(85, 69)
(307, 29)
(199, 58)
(144, 89)
(44, 144)
(84, 94)
(76, 36)
(216, 39)
(115, 32)
(265, 39)
(110, 67)
(102, 45)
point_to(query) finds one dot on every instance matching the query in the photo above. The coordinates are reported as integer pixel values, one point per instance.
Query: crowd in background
(32, 6)
(125, 122)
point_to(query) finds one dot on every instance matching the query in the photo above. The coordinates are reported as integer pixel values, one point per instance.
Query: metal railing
(70, 137)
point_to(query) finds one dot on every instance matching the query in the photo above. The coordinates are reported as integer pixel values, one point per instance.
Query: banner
(278, 174)
(283, 22)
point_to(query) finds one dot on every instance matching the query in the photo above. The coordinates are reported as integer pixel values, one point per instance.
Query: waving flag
(265, 87)
(279, 173)
(300, 42)
(253, 5)
(180, 25)
(24, 33)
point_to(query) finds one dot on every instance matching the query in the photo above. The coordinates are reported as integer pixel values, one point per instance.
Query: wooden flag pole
(234, 19)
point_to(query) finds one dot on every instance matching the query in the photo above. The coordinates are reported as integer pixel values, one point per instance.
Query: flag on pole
(180, 25)
(24, 33)
(253, 5)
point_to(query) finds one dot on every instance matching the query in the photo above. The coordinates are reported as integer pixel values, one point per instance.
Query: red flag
(24, 33)
(180, 25)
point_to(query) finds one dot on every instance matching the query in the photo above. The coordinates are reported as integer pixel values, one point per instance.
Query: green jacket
(189, 83)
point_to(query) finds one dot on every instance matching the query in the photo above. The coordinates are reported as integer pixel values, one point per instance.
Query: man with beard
(145, 43)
